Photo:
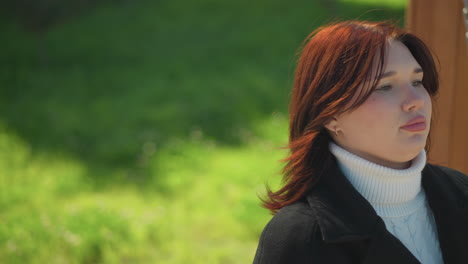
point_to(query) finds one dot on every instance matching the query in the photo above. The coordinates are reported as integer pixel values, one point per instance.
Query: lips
(416, 124)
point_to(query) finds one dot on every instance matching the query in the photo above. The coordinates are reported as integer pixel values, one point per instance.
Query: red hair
(335, 61)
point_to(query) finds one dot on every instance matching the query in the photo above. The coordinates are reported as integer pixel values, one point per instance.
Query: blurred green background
(142, 131)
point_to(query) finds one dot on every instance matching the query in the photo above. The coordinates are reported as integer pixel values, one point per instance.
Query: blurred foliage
(150, 127)
(39, 16)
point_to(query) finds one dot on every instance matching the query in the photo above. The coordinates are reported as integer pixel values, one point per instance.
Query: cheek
(373, 115)
(428, 104)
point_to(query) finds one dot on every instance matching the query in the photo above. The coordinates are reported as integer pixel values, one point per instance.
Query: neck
(380, 161)
(377, 183)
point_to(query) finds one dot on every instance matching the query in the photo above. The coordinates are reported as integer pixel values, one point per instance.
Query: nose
(414, 99)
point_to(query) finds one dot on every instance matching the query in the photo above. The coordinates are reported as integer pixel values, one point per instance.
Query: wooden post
(440, 24)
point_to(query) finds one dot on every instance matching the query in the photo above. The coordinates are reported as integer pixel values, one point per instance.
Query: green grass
(146, 133)
(207, 211)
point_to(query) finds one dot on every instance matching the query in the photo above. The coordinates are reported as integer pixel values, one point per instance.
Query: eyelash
(383, 88)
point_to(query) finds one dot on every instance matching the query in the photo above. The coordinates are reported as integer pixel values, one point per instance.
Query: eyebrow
(390, 73)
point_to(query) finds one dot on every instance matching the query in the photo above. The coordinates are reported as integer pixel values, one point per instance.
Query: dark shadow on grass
(121, 84)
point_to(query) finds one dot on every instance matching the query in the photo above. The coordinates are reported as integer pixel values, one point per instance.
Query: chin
(416, 143)
(410, 155)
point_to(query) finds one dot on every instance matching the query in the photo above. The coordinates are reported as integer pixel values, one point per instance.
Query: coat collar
(345, 215)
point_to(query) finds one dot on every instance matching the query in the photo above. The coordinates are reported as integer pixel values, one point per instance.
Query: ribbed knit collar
(392, 192)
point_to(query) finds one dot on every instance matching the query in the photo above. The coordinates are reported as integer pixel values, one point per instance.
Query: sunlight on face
(373, 130)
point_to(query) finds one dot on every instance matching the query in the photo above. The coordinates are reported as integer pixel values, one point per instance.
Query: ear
(332, 125)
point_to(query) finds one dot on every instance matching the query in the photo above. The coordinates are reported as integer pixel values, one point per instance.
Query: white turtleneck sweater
(397, 197)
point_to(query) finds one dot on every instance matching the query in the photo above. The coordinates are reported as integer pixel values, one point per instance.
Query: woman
(357, 188)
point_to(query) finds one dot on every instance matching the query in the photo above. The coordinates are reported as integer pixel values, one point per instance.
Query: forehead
(399, 58)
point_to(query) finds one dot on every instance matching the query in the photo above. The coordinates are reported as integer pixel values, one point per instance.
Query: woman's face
(373, 130)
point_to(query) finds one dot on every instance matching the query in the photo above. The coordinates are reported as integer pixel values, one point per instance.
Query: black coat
(336, 224)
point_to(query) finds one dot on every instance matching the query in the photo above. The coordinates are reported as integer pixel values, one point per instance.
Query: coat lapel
(384, 248)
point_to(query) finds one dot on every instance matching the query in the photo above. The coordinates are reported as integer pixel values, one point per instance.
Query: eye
(417, 83)
(385, 87)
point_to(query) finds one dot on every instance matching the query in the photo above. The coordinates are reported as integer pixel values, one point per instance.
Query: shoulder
(289, 235)
(451, 174)
(297, 217)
